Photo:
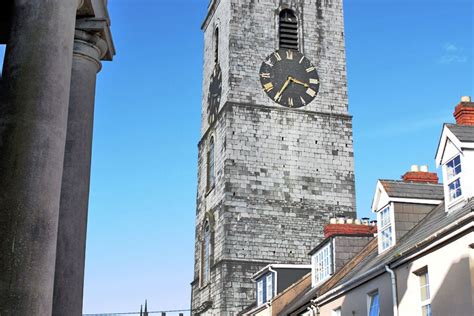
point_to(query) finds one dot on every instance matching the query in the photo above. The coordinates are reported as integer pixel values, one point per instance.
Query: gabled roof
(427, 230)
(465, 133)
(412, 190)
(459, 136)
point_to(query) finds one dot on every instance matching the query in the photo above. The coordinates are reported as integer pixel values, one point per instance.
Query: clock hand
(299, 82)
(278, 95)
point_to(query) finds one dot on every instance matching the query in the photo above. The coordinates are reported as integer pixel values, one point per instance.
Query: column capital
(93, 17)
(89, 46)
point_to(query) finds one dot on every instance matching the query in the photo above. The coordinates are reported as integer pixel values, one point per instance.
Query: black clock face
(214, 98)
(289, 78)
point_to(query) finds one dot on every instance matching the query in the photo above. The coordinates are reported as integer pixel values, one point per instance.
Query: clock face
(289, 78)
(214, 97)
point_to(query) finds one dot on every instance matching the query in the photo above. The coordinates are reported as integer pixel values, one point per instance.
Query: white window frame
(453, 178)
(322, 264)
(427, 301)
(260, 292)
(269, 286)
(370, 297)
(386, 223)
(337, 311)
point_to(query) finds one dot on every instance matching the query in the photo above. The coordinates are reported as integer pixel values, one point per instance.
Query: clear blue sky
(409, 62)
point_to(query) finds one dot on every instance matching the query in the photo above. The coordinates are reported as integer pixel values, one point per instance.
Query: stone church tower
(276, 154)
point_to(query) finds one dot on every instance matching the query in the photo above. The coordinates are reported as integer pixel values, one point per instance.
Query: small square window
(455, 190)
(453, 168)
(337, 312)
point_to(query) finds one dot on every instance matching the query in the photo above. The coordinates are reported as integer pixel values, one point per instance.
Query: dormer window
(260, 292)
(322, 264)
(269, 286)
(453, 174)
(385, 228)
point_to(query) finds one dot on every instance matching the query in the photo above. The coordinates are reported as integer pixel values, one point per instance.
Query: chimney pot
(420, 175)
(466, 99)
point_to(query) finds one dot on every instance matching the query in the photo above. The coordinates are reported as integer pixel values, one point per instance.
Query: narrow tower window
(216, 46)
(206, 253)
(288, 30)
(211, 179)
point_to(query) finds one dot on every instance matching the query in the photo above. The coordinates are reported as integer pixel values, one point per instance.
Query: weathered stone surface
(72, 227)
(281, 173)
(33, 119)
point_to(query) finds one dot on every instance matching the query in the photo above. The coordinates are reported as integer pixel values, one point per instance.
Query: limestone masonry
(280, 173)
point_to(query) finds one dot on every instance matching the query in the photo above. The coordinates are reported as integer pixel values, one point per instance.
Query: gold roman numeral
(289, 54)
(303, 101)
(301, 60)
(310, 69)
(265, 75)
(277, 56)
(268, 87)
(311, 92)
(290, 101)
(269, 63)
(314, 81)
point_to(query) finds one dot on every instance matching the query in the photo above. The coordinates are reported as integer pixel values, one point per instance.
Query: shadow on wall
(455, 295)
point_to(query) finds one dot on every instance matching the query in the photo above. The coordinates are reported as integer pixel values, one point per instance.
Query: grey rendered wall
(451, 277)
(355, 302)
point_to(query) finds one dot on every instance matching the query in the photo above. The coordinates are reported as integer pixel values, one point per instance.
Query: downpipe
(393, 277)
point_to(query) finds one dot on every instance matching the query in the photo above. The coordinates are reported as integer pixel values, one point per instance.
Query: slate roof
(401, 189)
(464, 133)
(436, 220)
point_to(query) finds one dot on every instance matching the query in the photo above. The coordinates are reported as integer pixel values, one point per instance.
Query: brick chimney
(349, 227)
(464, 112)
(420, 175)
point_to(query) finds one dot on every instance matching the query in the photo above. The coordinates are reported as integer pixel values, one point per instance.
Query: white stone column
(33, 119)
(70, 257)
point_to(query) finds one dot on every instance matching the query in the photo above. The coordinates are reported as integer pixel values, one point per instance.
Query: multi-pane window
(288, 30)
(211, 178)
(206, 254)
(385, 228)
(322, 264)
(425, 296)
(260, 292)
(269, 281)
(455, 190)
(453, 174)
(374, 304)
(453, 168)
